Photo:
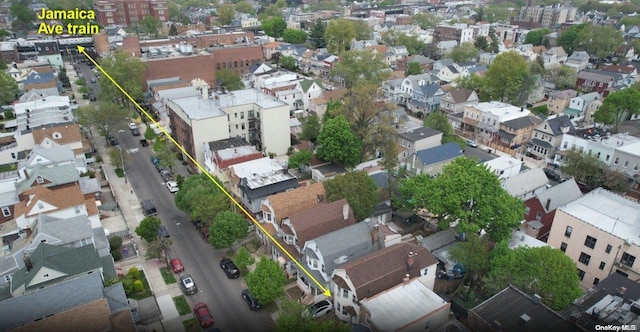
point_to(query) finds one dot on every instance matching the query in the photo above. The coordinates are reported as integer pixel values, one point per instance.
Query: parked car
(471, 143)
(189, 285)
(230, 268)
(93, 80)
(176, 265)
(92, 97)
(155, 160)
(163, 232)
(320, 309)
(144, 142)
(203, 315)
(551, 174)
(133, 125)
(251, 301)
(166, 175)
(172, 186)
(113, 141)
(135, 132)
(148, 208)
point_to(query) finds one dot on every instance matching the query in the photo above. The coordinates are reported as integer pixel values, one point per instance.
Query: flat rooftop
(609, 212)
(261, 172)
(240, 151)
(503, 110)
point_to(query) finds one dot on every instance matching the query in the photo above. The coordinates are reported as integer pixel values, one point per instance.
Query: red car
(203, 315)
(176, 265)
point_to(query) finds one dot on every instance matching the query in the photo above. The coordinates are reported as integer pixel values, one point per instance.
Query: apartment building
(129, 12)
(485, 119)
(600, 232)
(43, 111)
(548, 16)
(459, 32)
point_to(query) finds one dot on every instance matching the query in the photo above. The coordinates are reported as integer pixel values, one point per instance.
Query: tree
(535, 37)
(567, 39)
(244, 7)
(229, 79)
(293, 317)
(426, 20)
(474, 254)
(311, 129)
(267, 281)
(564, 77)
(389, 162)
(507, 76)
(106, 117)
(362, 30)
(300, 159)
(338, 35)
(473, 82)
(150, 134)
(581, 165)
(280, 4)
(618, 106)
(495, 13)
(270, 11)
(148, 228)
(294, 36)
(227, 227)
(413, 69)
(544, 271)
(360, 191)
(116, 157)
(468, 194)
(613, 180)
(360, 65)
(597, 40)
(463, 53)
(173, 30)
(274, 26)
(8, 88)
(200, 198)
(481, 43)
(226, 12)
(243, 259)
(156, 248)
(288, 62)
(317, 34)
(413, 44)
(23, 16)
(164, 152)
(127, 71)
(151, 25)
(337, 143)
(438, 121)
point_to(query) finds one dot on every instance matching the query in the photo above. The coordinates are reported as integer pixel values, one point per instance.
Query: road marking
(325, 290)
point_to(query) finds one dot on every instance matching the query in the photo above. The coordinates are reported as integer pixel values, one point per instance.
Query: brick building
(129, 12)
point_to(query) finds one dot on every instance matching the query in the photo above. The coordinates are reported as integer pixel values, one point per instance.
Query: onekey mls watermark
(616, 327)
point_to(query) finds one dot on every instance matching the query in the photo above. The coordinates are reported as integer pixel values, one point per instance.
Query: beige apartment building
(601, 233)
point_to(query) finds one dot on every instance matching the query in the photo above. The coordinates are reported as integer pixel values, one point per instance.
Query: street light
(124, 172)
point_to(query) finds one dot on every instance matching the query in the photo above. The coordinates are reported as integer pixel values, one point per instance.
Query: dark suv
(252, 302)
(229, 268)
(551, 174)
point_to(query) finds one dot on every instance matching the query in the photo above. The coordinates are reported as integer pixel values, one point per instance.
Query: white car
(172, 186)
(133, 125)
(320, 309)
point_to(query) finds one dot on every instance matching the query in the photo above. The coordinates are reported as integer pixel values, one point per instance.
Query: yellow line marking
(326, 291)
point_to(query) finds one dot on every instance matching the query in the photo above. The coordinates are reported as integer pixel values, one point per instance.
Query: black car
(135, 132)
(229, 268)
(113, 141)
(251, 301)
(551, 174)
(144, 142)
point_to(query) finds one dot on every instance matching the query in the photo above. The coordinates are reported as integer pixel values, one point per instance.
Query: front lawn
(182, 305)
(168, 276)
(147, 290)
(191, 325)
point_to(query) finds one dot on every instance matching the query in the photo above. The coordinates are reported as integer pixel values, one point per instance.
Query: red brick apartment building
(129, 12)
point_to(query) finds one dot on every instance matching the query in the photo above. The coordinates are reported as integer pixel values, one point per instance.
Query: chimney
(524, 319)
(546, 206)
(27, 262)
(345, 211)
(406, 278)
(410, 260)
(521, 109)
(536, 299)
(374, 234)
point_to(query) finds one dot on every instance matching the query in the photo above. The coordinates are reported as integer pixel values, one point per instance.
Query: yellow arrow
(326, 291)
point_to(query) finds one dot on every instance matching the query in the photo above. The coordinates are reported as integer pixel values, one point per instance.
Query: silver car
(189, 285)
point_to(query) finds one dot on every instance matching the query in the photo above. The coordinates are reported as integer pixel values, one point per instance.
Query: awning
(572, 111)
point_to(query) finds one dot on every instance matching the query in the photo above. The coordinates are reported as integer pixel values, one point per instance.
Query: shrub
(138, 286)
(116, 254)
(8, 114)
(127, 284)
(134, 273)
(115, 242)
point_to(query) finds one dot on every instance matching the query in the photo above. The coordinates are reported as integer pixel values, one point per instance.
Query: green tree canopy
(148, 228)
(413, 69)
(8, 88)
(164, 152)
(338, 35)
(227, 227)
(360, 191)
(244, 7)
(310, 129)
(587, 168)
(337, 143)
(151, 25)
(201, 199)
(481, 43)
(288, 62)
(535, 37)
(226, 12)
(360, 65)
(128, 71)
(618, 106)
(544, 271)
(569, 38)
(317, 34)
(173, 30)
(474, 254)
(507, 76)
(300, 158)
(274, 26)
(293, 317)
(106, 117)
(468, 194)
(229, 79)
(438, 121)
(426, 20)
(267, 281)
(117, 157)
(464, 52)
(294, 36)
(564, 77)
(598, 40)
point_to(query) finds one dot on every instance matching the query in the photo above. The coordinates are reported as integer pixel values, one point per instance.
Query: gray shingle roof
(418, 134)
(523, 122)
(525, 182)
(439, 153)
(559, 195)
(56, 174)
(559, 122)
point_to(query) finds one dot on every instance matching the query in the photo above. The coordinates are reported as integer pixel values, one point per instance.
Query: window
(626, 164)
(538, 215)
(596, 281)
(563, 247)
(568, 231)
(616, 161)
(6, 211)
(345, 293)
(602, 265)
(584, 258)
(590, 242)
(608, 250)
(580, 274)
(627, 259)
(527, 210)
(39, 179)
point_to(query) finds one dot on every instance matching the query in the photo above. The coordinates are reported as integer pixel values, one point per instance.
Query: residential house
(547, 137)
(443, 48)
(625, 52)
(418, 139)
(629, 69)
(450, 73)
(109, 307)
(255, 180)
(560, 100)
(486, 58)
(459, 32)
(388, 310)
(321, 255)
(579, 60)
(426, 98)
(626, 159)
(62, 154)
(600, 144)
(431, 161)
(511, 309)
(541, 208)
(362, 44)
(514, 134)
(63, 134)
(319, 105)
(484, 120)
(219, 155)
(326, 171)
(43, 111)
(454, 101)
(579, 105)
(526, 184)
(521, 239)
(553, 57)
(504, 167)
(392, 90)
(426, 64)
(309, 89)
(363, 278)
(298, 228)
(600, 81)
(39, 80)
(412, 83)
(602, 226)
(269, 49)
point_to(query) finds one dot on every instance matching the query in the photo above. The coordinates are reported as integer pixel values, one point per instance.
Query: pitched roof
(559, 122)
(523, 122)
(559, 195)
(460, 95)
(429, 90)
(386, 268)
(594, 76)
(334, 95)
(306, 84)
(55, 174)
(60, 198)
(62, 134)
(54, 154)
(288, 203)
(439, 153)
(525, 182)
(325, 218)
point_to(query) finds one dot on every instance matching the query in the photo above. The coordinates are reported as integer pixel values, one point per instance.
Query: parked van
(148, 208)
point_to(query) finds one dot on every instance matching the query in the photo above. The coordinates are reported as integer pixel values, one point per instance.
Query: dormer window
(6, 211)
(39, 179)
